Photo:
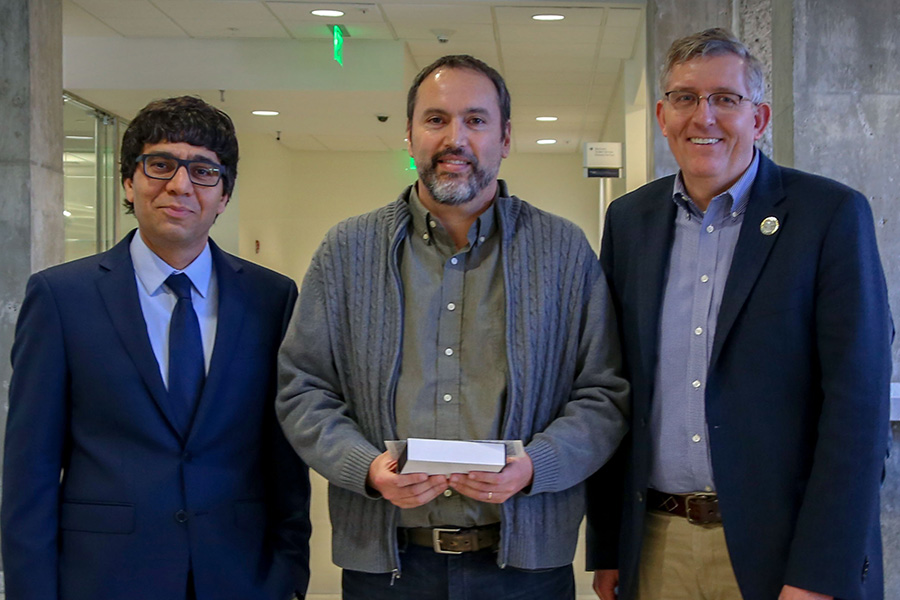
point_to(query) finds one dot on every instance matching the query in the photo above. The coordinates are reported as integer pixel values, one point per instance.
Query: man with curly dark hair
(143, 459)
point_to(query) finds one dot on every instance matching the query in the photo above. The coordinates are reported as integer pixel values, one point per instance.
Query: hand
(789, 592)
(495, 488)
(405, 491)
(605, 582)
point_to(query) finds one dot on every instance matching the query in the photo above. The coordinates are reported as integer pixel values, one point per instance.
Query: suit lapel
(118, 289)
(657, 228)
(230, 319)
(752, 248)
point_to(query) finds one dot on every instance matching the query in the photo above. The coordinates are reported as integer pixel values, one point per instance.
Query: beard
(454, 189)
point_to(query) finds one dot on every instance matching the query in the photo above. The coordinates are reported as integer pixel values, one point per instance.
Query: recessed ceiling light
(545, 118)
(545, 142)
(327, 13)
(548, 17)
(265, 113)
(79, 137)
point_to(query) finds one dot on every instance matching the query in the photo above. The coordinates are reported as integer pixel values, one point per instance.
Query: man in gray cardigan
(455, 312)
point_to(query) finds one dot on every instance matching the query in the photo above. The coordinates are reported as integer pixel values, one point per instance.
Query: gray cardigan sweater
(340, 360)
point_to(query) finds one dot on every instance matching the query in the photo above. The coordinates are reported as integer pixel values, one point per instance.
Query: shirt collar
(152, 271)
(739, 193)
(433, 232)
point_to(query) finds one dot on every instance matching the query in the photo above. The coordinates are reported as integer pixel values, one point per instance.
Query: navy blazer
(797, 395)
(137, 505)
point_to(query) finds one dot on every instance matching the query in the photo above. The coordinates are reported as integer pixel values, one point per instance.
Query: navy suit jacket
(102, 497)
(797, 395)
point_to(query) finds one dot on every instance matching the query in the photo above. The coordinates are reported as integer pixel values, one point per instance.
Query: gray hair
(715, 42)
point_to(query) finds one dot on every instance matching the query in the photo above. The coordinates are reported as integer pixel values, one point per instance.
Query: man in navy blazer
(113, 488)
(756, 334)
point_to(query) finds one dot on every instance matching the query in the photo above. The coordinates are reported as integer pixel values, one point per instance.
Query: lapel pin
(769, 225)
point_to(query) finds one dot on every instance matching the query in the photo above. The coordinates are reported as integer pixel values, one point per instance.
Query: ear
(129, 191)
(661, 117)
(507, 139)
(761, 119)
(409, 138)
(222, 204)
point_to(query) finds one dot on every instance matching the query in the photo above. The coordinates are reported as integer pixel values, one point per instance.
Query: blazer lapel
(229, 323)
(657, 228)
(752, 248)
(118, 289)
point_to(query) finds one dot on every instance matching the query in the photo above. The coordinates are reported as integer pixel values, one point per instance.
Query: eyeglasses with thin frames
(164, 166)
(684, 101)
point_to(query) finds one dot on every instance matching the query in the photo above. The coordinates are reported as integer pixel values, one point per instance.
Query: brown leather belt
(700, 508)
(451, 540)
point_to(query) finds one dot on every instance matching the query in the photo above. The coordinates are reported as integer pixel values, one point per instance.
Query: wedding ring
(490, 495)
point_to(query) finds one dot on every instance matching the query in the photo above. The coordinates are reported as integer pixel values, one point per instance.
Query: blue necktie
(187, 368)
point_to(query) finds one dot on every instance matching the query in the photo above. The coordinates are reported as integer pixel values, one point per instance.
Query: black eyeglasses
(164, 166)
(719, 101)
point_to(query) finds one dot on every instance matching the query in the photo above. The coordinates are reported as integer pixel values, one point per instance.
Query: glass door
(92, 192)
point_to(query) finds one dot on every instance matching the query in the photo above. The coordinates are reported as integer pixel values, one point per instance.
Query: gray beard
(454, 189)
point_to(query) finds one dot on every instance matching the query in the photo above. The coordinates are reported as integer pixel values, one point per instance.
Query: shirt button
(698, 331)
(181, 516)
(432, 223)
(448, 493)
(449, 351)
(447, 397)
(695, 383)
(481, 239)
(696, 437)
(425, 236)
(710, 229)
(451, 306)
(734, 215)
(704, 278)
(454, 260)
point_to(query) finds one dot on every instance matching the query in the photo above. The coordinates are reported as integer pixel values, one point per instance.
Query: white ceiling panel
(77, 21)
(160, 27)
(549, 35)
(568, 69)
(233, 11)
(438, 15)
(199, 28)
(522, 15)
(477, 32)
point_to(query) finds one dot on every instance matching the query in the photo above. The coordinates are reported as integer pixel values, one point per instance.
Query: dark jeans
(427, 575)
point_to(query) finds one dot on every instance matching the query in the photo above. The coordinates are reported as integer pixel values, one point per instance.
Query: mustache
(459, 152)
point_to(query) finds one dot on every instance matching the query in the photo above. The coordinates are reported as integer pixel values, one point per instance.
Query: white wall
(290, 199)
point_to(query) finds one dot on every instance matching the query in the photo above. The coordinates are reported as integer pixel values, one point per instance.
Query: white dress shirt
(158, 301)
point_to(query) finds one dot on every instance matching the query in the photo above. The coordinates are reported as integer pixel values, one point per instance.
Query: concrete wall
(846, 84)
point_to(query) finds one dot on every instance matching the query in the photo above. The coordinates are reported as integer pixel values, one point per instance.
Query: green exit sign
(338, 45)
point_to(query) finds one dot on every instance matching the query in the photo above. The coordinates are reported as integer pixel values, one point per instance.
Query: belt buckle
(436, 539)
(698, 497)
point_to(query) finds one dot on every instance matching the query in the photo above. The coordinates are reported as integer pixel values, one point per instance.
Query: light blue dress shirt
(702, 250)
(158, 301)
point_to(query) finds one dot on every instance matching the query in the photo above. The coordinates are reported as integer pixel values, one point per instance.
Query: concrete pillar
(833, 74)
(31, 148)
(846, 84)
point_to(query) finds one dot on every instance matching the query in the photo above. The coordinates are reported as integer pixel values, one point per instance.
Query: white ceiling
(567, 68)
